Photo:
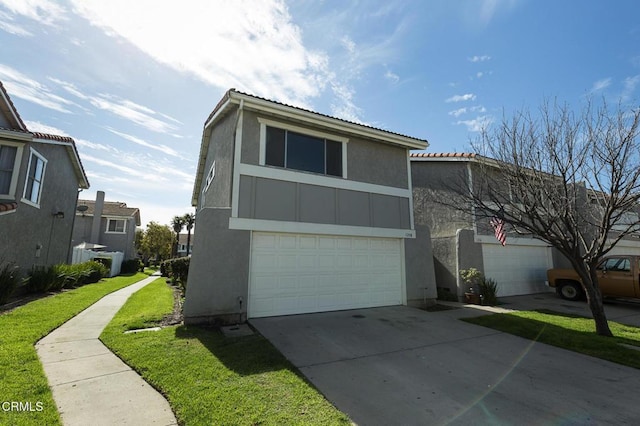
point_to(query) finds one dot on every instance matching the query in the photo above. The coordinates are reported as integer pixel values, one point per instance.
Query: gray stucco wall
(419, 270)
(469, 254)
(271, 199)
(29, 227)
(219, 270)
(444, 263)
(367, 161)
(430, 181)
(221, 149)
(114, 242)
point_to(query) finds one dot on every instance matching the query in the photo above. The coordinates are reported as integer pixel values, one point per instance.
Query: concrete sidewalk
(90, 384)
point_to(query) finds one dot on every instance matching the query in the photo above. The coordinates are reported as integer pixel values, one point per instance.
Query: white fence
(81, 255)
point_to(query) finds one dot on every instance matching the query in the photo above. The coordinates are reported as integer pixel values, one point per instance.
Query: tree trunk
(594, 299)
(188, 240)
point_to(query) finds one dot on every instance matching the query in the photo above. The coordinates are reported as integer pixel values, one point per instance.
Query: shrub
(93, 271)
(41, 279)
(489, 291)
(8, 281)
(472, 277)
(106, 261)
(177, 269)
(131, 266)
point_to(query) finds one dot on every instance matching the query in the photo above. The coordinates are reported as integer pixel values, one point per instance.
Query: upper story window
(35, 178)
(116, 226)
(298, 149)
(9, 166)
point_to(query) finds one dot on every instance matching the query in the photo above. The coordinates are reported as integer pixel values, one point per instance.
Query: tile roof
(443, 155)
(5, 207)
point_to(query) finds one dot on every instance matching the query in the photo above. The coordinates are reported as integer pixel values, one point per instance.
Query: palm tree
(189, 221)
(178, 223)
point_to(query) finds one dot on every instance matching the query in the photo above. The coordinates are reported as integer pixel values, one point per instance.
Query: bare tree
(571, 180)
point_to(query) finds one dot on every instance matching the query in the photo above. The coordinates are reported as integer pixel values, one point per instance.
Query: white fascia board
(18, 136)
(317, 228)
(329, 122)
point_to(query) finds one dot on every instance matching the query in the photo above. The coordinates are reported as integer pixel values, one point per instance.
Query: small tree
(177, 223)
(570, 180)
(189, 222)
(157, 241)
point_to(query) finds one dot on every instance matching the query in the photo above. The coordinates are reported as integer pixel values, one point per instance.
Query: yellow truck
(618, 276)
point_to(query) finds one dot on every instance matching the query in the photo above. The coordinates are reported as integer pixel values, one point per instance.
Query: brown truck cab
(618, 276)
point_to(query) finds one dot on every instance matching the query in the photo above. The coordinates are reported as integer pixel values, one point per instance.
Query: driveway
(400, 365)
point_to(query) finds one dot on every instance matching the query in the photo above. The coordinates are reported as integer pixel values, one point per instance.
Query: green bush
(489, 291)
(70, 276)
(177, 269)
(93, 271)
(9, 279)
(131, 266)
(106, 261)
(41, 279)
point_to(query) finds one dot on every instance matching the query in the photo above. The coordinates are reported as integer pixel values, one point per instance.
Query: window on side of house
(297, 151)
(116, 226)
(8, 156)
(35, 178)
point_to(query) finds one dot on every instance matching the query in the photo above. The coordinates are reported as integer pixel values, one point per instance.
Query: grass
(569, 332)
(209, 378)
(22, 378)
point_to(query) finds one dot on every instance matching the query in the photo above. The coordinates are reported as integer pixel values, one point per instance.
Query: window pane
(274, 152)
(7, 159)
(305, 153)
(334, 158)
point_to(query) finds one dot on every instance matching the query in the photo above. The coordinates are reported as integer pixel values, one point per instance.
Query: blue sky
(133, 81)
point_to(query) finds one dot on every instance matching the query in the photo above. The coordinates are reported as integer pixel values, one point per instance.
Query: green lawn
(569, 332)
(22, 378)
(209, 378)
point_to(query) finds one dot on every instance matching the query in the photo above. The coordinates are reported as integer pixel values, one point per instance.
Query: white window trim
(16, 170)
(302, 130)
(109, 219)
(26, 179)
(210, 176)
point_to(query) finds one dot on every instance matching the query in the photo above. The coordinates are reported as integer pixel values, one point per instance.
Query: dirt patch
(175, 317)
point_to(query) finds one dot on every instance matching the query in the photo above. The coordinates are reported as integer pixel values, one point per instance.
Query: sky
(133, 81)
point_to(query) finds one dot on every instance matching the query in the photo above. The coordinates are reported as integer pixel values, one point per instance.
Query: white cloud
(461, 98)
(481, 58)
(601, 85)
(134, 112)
(36, 126)
(392, 77)
(43, 11)
(477, 124)
(162, 148)
(23, 87)
(252, 46)
(458, 112)
(7, 25)
(630, 84)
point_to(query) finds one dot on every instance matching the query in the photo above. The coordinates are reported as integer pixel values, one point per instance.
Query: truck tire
(570, 290)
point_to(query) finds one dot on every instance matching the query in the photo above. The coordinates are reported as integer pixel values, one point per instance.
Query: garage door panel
(517, 269)
(304, 273)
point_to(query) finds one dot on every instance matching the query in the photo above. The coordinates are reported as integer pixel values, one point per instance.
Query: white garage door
(299, 273)
(517, 269)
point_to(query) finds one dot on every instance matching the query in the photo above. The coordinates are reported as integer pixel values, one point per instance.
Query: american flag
(498, 229)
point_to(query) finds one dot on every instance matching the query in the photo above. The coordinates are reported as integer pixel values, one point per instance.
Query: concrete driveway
(399, 365)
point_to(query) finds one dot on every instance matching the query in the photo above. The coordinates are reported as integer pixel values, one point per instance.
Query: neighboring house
(302, 212)
(182, 244)
(40, 175)
(463, 240)
(107, 223)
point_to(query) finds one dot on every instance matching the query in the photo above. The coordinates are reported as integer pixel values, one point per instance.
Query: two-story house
(40, 177)
(302, 212)
(108, 223)
(463, 239)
